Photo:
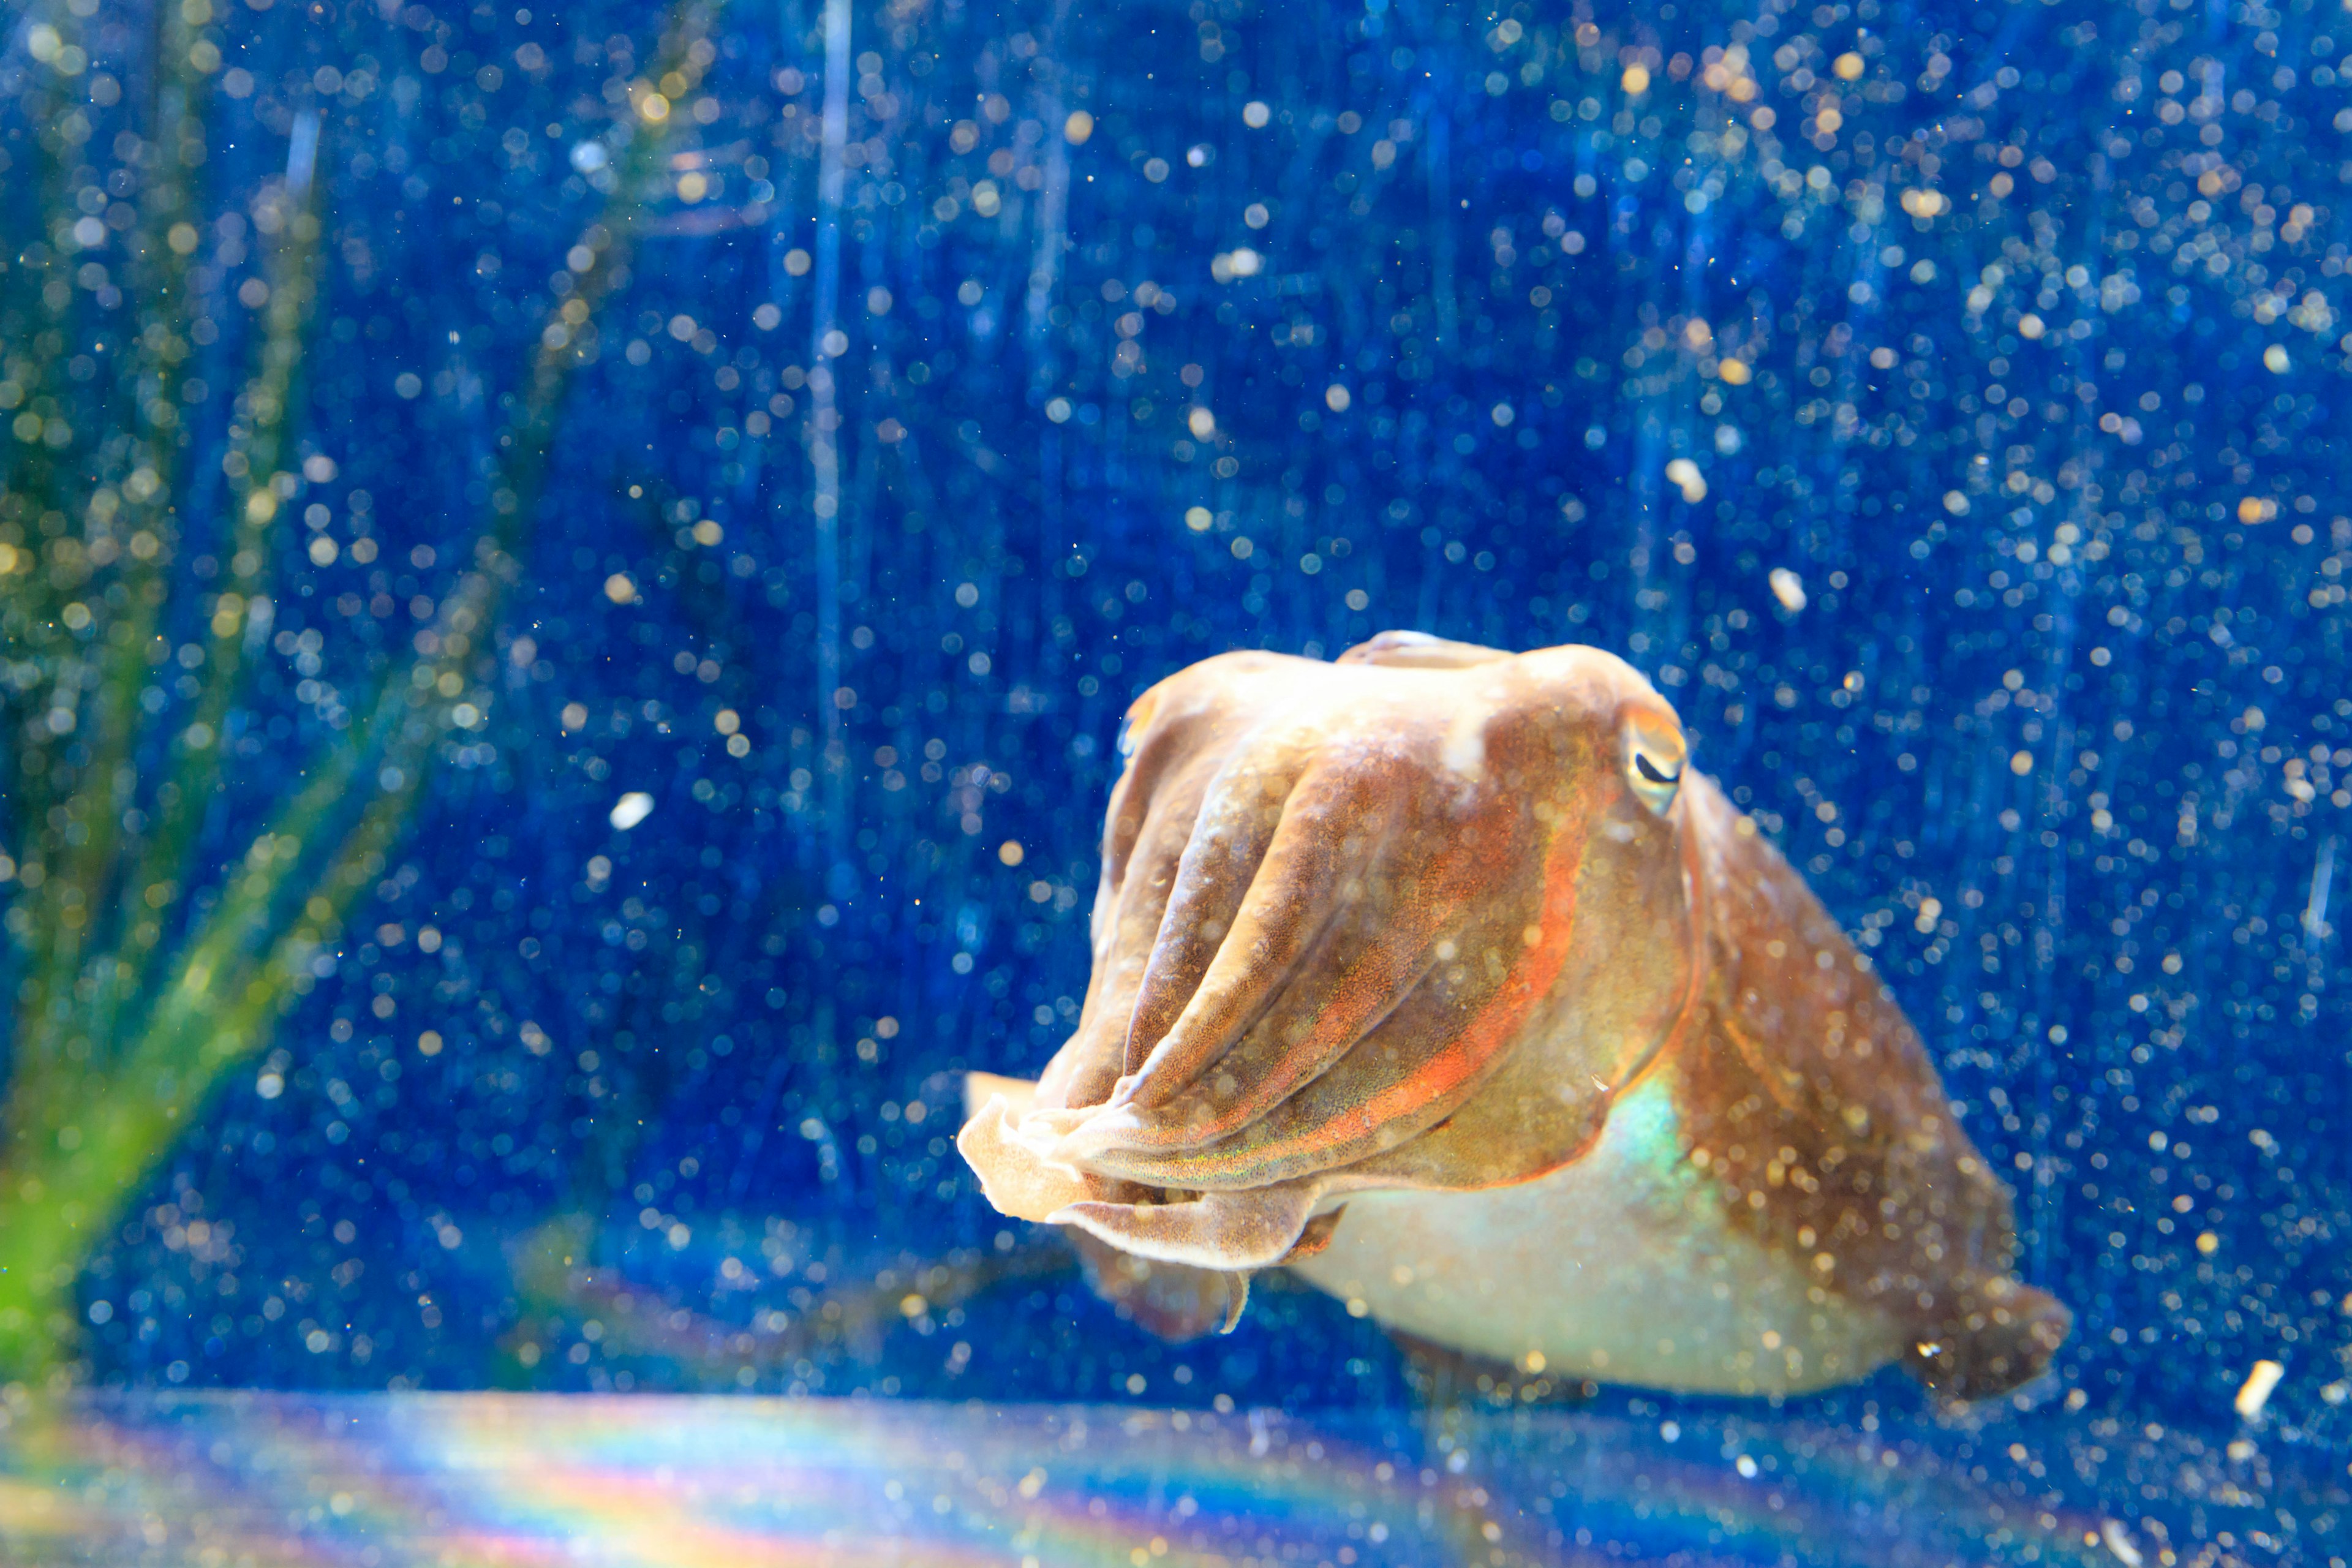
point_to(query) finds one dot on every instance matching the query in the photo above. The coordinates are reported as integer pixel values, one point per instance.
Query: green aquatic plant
(151, 956)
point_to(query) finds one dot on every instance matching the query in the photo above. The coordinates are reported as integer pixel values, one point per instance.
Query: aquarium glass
(569, 582)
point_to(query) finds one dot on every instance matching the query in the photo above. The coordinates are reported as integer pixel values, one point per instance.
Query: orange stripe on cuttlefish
(1462, 871)
(1455, 877)
(1350, 1015)
(1527, 983)
(1460, 1062)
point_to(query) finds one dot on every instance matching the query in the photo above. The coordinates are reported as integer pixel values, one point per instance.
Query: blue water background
(2064, 705)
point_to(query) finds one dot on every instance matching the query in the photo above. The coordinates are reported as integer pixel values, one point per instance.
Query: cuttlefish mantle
(1437, 975)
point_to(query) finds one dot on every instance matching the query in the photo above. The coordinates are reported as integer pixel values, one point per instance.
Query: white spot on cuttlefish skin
(1465, 745)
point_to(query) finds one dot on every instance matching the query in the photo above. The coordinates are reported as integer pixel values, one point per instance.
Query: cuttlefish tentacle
(1534, 1113)
(1169, 731)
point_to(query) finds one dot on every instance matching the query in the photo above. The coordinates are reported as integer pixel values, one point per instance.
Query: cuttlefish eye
(1655, 755)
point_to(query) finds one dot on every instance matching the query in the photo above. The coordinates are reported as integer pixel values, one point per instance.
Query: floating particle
(1240, 262)
(1789, 588)
(2255, 1392)
(631, 809)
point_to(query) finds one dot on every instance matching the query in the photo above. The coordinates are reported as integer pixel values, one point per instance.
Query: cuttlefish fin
(1809, 1056)
(2002, 1338)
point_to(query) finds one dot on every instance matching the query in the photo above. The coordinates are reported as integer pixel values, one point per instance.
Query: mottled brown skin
(1813, 1094)
(1417, 922)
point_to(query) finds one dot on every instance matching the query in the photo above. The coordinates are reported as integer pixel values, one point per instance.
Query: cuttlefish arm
(1173, 1300)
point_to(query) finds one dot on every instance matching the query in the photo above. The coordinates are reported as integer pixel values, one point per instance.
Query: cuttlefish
(1438, 976)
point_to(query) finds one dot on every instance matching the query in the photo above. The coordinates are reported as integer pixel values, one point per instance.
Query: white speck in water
(2255, 1392)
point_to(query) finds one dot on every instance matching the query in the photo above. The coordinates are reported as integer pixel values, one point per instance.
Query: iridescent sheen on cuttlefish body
(1435, 974)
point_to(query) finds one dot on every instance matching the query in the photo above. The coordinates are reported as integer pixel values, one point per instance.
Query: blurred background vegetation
(178, 869)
